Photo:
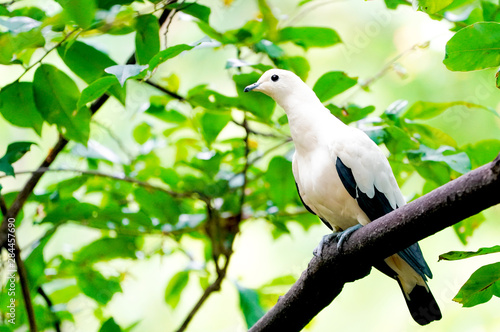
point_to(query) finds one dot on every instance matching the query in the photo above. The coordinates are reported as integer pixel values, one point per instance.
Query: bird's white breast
(322, 190)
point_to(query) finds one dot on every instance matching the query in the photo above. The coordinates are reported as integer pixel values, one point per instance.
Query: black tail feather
(422, 305)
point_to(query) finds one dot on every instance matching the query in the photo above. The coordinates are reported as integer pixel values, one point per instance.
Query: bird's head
(275, 83)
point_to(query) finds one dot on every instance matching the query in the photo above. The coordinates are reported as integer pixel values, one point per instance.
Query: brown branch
(23, 278)
(326, 275)
(25, 288)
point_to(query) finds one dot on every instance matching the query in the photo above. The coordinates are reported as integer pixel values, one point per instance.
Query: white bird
(344, 178)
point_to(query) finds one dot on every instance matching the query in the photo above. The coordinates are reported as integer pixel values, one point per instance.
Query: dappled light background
(373, 37)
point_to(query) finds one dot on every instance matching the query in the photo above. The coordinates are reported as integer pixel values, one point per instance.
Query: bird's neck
(307, 117)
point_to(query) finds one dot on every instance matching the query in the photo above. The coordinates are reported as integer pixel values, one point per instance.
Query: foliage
(228, 155)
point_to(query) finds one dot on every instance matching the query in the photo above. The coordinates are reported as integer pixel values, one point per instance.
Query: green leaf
(167, 54)
(280, 182)
(17, 106)
(80, 11)
(393, 4)
(36, 262)
(269, 21)
(212, 124)
(481, 286)
(18, 48)
(398, 141)
(106, 249)
(456, 255)
(426, 110)
(299, 65)
(71, 209)
(482, 152)
(250, 305)
(170, 116)
(474, 47)
(142, 133)
(267, 47)
(124, 72)
(110, 326)
(96, 90)
(212, 100)
(194, 9)
(147, 38)
(158, 204)
(107, 4)
(84, 60)
(94, 285)
(431, 6)
(351, 113)
(459, 162)
(333, 83)
(89, 64)
(465, 228)
(14, 152)
(429, 136)
(175, 287)
(56, 96)
(307, 37)
(258, 104)
(64, 295)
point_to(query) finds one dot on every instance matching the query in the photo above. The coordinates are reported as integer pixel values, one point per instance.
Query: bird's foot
(328, 238)
(339, 237)
(344, 235)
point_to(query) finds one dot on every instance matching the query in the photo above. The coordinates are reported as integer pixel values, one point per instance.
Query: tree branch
(326, 275)
(215, 286)
(57, 322)
(110, 176)
(232, 228)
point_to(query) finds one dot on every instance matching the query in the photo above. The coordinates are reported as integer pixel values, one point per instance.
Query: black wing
(376, 207)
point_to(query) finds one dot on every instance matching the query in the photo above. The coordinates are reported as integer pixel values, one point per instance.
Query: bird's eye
(275, 78)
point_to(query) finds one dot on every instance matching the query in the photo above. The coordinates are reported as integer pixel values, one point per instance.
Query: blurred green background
(372, 36)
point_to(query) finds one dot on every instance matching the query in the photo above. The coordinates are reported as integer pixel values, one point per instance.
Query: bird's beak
(251, 87)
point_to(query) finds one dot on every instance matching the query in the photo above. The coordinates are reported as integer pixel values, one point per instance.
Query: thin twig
(57, 322)
(110, 176)
(215, 286)
(47, 53)
(385, 69)
(162, 89)
(3, 205)
(271, 149)
(247, 165)
(257, 133)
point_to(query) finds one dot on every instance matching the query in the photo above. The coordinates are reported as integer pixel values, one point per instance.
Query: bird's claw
(324, 241)
(339, 237)
(344, 235)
